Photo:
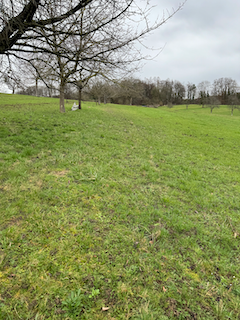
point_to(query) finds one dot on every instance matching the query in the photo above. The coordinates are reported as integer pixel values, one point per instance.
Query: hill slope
(127, 208)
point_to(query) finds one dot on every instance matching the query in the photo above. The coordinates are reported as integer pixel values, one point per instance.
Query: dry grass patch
(58, 174)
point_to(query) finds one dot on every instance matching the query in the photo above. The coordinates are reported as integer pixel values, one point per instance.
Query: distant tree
(31, 91)
(223, 88)
(12, 80)
(213, 102)
(131, 90)
(149, 92)
(166, 91)
(96, 90)
(203, 92)
(108, 91)
(179, 92)
(191, 91)
(156, 92)
(233, 103)
(101, 90)
(155, 96)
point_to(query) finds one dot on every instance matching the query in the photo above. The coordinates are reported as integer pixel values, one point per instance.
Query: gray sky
(201, 42)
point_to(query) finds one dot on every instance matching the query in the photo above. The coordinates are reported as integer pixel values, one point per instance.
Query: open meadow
(118, 212)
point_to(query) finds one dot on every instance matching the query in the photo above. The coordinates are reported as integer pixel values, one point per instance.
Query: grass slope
(118, 212)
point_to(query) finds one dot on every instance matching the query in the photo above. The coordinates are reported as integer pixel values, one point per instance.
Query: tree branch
(18, 25)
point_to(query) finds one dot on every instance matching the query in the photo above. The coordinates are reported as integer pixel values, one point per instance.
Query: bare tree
(12, 80)
(233, 103)
(179, 92)
(213, 102)
(223, 88)
(166, 91)
(81, 83)
(203, 92)
(191, 91)
(150, 92)
(96, 90)
(108, 91)
(130, 90)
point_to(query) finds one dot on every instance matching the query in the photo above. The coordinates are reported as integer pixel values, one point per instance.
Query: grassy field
(118, 212)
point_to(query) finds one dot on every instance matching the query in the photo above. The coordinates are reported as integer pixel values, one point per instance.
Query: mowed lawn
(118, 212)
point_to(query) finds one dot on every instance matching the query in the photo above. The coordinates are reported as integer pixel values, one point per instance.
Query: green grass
(127, 208)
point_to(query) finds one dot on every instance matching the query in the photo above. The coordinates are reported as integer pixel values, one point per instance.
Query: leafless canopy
(24, 17)
(24, 24)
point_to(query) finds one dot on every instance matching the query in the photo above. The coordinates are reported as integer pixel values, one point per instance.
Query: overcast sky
(201, 42)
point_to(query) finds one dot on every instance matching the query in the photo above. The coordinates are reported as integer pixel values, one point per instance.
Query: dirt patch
(7, 187)
(175, 310)
(32, 184)
(14, 221)
(61, 173)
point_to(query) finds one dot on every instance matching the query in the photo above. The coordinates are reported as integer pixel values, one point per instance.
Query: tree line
(149, 92)
(157, 92)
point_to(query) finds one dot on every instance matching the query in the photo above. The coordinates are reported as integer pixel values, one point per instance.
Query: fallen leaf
(164, 289)
(105, 308)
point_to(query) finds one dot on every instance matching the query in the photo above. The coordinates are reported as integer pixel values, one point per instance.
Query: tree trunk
(62, 107)
(99, 100)
(36, 87)
(131, 101)
(80, 98)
